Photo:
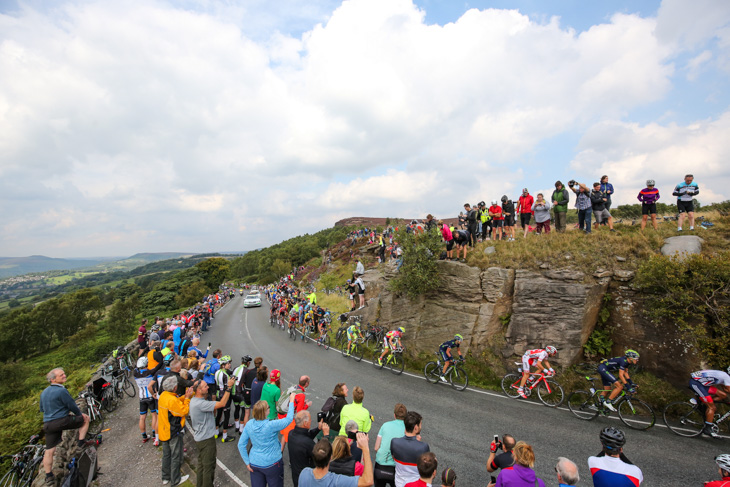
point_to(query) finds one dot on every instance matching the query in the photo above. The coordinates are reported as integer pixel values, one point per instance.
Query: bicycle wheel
(432, 371)
(684, 419)
(458, 378)
(357, 351)
(96, 423)
(583, 405)
(109, 400)
(510, 383)
(553, 397)
(397, 363)
(128, 387)
(636, 414)
(31, 471)
(376, 356)
(10, 479)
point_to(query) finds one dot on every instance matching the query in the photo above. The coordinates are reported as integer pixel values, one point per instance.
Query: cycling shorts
(497, 223)
(685, 206)
(648, 209)
(525, 218)
(445, 356)
(527, 363)
(351, 335)
(702, 390)
(606, 376)
(147, 404)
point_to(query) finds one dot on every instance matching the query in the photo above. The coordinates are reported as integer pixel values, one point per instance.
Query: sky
(204, 125)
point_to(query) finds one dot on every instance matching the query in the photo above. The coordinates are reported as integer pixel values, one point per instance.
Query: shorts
(509, 221)
(525, 218)
(54, 429)
(497, 223)
(527, 363)
(702, 390)
(444, 356)
(461, 243)
(449, 245)
(602, 215)
(648, 208)
(685, 206)
(606, 376)
(149, 403)
(386, 343)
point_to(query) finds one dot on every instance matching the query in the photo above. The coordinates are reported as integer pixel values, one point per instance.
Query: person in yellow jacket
(356, 412)
(172, 410)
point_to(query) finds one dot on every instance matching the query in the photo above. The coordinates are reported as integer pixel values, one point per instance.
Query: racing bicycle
(93, 409)
(632, 411)
(549, 392)
(24, 464)
(394, 360)
(687, 418)
(455, 374)
(357, 348)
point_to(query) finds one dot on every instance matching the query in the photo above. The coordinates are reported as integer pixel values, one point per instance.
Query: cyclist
(147, 402)
(390, 340)
(308, 323)
(710, 386)
(445, 351)
(223, 415)
(536, 357)
(353, 332)
(608, 367)
(322, 326)
(723, 464)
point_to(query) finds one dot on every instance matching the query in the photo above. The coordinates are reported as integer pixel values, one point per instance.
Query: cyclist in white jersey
(710, 386)
(536, 357)
(147, 401)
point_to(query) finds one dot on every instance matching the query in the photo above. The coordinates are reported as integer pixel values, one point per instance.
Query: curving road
(458, 426)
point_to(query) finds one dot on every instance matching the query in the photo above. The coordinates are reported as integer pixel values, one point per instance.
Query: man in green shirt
(384, 464)
(560, 198)
(356, 412)
(272, 392)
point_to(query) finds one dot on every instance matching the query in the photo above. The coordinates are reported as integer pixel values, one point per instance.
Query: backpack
(329, 407)
(282, 405)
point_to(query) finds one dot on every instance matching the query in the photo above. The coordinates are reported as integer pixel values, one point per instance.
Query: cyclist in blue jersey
(710, 386)
(147, 402)
(608, 367)
(445, 351)
(611, 468)
(685, 193)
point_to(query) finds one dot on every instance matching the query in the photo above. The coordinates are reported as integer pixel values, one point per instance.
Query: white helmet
(723, 461)
(142, 362)
(551, 350)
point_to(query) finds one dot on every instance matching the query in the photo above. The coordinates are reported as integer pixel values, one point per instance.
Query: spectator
(508, 211)
(648, 198)
(607, 189)
(142, 338)
(300, 404)
(264, 462)
(60, 413)
(321, 476)
(176, 370)
(560, 198)
(359, 268)
(462, 220)
(143, 376)
(271, 392)
(262, 375)
(504, 459)
(524, 208)
(351, 432)
(461, 239)
(384, 470)
(407, 449)
(193, 368)
(541, 208)
(611, 467)
(356, 412)
(342, 461)
(582, 204)
(448, 238)
(209, 370)
(360, 286)
(495, 212)
(723, 466)
(399, 255)
(482, 219)
(340, 395)
(521, 473)
(567, 472)
(598, 201)
(301, 443)
(202, 423)
(171, 421)
(448, 478)
(685, 193)
(471, 224)
(430, 222)
(427, 465)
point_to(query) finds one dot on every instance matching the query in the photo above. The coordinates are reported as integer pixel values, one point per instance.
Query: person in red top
(142, 338)
(723, 465)
(495, 211)
(427, 465)
(524, 208)
(300, 404)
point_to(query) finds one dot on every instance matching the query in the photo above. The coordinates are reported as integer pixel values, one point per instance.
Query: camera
(572, 183)
(321, 415)
(352, 435)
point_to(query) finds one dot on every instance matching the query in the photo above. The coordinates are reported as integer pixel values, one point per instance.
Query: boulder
(623, 275)
(682, 246)
(490, 250)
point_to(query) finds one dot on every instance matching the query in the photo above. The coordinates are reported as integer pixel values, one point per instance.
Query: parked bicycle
(549, 392)
(455, 374)
(124, 360)
(93, 407)
(632, 411)
(394, 360)
(687, 418)
(24, 464)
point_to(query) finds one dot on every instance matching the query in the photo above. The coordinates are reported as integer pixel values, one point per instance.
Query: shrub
(419, 272)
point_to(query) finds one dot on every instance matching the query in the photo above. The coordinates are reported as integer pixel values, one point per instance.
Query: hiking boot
(609, 405)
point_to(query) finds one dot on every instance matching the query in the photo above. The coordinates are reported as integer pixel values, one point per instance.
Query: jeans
(584, 219)
(172, 458)
(206, 462)
(272, 476)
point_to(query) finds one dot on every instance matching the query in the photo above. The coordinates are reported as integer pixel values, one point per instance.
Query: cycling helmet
(551, 350)
(504, 198)
(458, 337)
(246, 359)
(723, 461)
(612, 438)
(142, 362)
(401, 329)
(494, 202)
(650, 182)
(728, 369)
(226, 359)
(632, 354)
(168, 359)
(481, 203)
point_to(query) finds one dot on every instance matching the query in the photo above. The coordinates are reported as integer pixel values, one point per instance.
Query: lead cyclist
(536, 357)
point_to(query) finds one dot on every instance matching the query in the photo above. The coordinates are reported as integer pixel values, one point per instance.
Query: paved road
(457, 425)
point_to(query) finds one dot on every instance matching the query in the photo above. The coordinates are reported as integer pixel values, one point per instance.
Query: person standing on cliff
(471, 224)
(524, 208)
(560, 198)
(648, 198)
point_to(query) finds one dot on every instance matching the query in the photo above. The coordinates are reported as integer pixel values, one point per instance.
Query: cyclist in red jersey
(390, 340)
(536, 357)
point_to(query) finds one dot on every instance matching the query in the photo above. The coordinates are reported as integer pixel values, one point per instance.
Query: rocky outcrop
(682, 246)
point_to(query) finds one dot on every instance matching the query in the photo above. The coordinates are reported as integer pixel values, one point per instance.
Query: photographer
(504, 459)
(582, 204)
(598, 201)
(301, 442)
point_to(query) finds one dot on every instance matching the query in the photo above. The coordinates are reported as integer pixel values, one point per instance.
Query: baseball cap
(275, 375)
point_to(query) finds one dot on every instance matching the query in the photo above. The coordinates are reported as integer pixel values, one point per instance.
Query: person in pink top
(448, 238)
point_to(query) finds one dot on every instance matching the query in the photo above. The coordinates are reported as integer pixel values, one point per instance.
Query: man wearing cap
(272, 391)
(524, 208)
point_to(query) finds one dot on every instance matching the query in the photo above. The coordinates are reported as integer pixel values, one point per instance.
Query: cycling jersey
(352, 331)
(531, 357)
(449, 344)
(391, 335)
(725, 482)
(613, 472)
(221, 380)
(711, 377)
(686, 192)
(613, 364)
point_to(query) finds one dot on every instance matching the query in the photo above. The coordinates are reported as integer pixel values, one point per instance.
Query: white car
(252, 300)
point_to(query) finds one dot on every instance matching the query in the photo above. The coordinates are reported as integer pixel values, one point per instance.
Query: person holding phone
(502, 460)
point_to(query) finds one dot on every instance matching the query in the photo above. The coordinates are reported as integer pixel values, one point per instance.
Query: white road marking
(232, 475)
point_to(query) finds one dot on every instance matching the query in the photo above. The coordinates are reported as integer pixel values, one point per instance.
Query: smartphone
(209, 344)
(496, 438)
(493, 480)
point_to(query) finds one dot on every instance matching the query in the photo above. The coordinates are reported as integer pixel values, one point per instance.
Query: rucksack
(329, 408)
(282, 405)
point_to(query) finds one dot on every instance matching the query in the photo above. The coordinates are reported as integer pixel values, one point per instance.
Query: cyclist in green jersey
(353, 332)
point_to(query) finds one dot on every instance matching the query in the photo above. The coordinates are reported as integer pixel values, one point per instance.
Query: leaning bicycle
(687, 418)
(394, 360)
(455, 374)
(24, 464)
(549, 392)
(633, 412)
(93, 410)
